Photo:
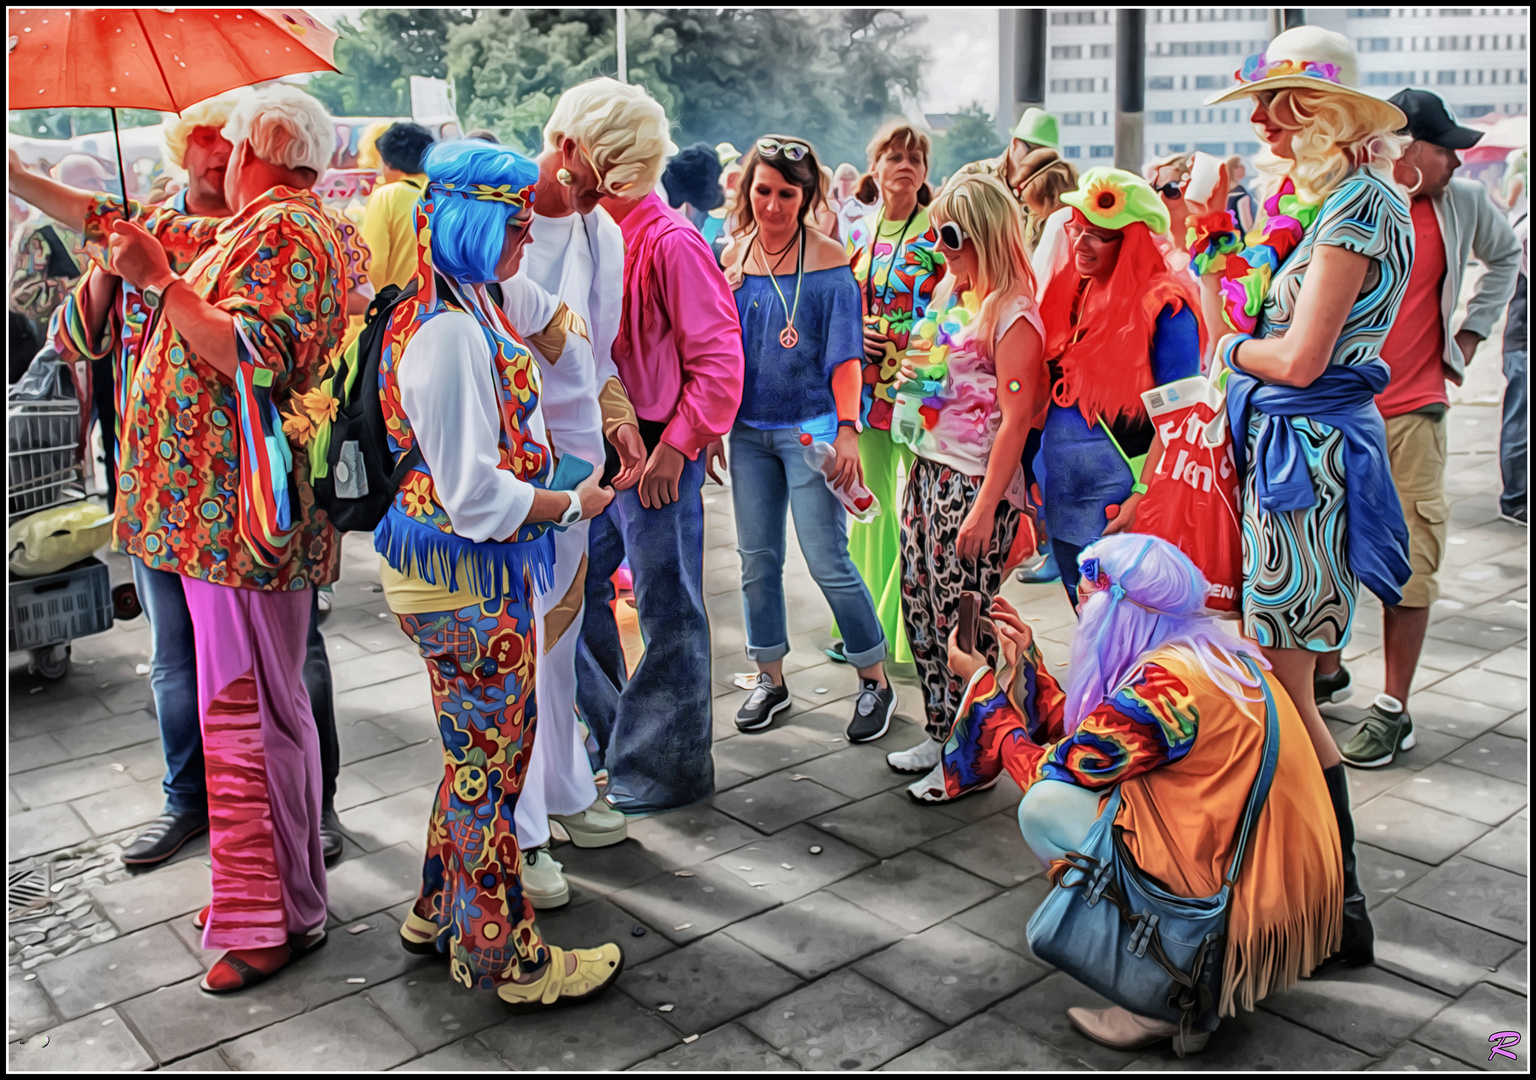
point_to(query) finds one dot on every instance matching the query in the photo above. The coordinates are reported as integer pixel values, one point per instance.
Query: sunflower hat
(1113, 198)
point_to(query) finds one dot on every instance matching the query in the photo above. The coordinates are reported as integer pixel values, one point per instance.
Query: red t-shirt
(1415, 346)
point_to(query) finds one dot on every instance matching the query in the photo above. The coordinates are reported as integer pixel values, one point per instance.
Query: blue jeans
(652, 728)
(1066, 562)
(173, 682)
(770, 477)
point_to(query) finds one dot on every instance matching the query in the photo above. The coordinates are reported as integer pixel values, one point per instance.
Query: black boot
(1357, 948)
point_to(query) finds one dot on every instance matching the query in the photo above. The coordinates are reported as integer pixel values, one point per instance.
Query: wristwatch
(154, 294)
(572, 513)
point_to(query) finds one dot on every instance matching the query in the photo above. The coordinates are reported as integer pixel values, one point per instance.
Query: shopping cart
(46, 468)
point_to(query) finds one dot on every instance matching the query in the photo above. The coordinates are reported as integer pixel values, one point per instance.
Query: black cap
(693, 177)
(1430, 120)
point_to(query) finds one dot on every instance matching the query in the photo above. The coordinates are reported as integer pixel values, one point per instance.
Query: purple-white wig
(1155, 597)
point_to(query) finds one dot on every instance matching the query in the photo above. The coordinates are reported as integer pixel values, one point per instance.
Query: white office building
(1475, 58)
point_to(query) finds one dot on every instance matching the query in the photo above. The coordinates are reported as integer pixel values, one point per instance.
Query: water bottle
(858, 500)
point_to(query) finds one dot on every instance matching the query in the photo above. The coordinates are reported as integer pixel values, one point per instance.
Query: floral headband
(521, 198)
(1258, 66)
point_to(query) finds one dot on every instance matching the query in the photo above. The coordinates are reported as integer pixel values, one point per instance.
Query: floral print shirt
(277, 267)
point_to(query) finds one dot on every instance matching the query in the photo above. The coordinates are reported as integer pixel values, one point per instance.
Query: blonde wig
(212, 112)
(1332, 137)
(622, 129)
(989, 216)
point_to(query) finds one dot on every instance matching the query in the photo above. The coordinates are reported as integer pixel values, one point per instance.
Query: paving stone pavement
(899, 945)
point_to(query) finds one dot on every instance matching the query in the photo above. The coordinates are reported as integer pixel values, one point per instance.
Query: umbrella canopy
(155, 58)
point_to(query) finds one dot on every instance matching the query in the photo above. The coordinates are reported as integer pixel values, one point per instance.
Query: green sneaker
(1386, 729)
(1331, 688)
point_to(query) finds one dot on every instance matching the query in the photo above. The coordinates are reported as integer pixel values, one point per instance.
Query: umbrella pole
(122, 177)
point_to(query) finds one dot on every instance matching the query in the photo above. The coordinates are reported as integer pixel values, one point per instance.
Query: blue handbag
(1120, 933)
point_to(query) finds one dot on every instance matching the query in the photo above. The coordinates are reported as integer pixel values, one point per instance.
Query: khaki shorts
(1416, 447)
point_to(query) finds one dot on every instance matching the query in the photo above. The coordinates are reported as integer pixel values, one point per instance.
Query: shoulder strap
(1260, 790)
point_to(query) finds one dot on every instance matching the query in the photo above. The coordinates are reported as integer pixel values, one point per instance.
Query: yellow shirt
(389, 227)
(407, 594)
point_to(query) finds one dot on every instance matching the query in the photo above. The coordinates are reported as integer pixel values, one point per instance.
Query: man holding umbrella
(246, 311)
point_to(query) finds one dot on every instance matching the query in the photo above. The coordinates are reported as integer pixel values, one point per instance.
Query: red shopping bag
(1194, 499)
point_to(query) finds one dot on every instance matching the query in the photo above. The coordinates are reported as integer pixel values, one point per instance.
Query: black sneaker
(872, 711)
(765, 702)
(164, 838)
(330, 835)
(1331, 688)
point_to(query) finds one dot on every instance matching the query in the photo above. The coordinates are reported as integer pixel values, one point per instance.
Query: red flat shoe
(233, 971)
(200, 920)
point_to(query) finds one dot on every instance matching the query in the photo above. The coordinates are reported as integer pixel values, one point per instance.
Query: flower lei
(1258, 66)
(928, 348)
(1247, 266)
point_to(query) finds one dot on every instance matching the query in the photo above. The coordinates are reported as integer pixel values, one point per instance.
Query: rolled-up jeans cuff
(769, 654)
(867, 657)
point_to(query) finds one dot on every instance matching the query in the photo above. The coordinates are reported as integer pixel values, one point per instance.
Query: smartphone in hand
(971, 605)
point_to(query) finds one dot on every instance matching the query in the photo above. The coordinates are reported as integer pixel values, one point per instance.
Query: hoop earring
(1418, 183)
(564, 176)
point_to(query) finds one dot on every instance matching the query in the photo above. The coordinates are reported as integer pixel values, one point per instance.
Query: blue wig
(475, 189)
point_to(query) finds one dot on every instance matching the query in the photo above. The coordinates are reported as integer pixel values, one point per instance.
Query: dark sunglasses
(952, 236)
(1170, 190)
(794, 151)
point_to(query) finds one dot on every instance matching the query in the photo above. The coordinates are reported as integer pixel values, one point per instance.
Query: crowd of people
(569, 345)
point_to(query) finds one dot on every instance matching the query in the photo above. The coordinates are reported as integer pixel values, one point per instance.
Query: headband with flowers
(521, 197)
(1258, 67)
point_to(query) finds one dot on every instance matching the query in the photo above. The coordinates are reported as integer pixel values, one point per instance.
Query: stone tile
(1368, 1009)
(1002, 798)
(127, 697)
(1475, 893)
(370, 669)
(1516, 727)
(707, 983)
(1041, 1009)
(985, 1043)
(1004, 918)
(585, 926)
(46, 712)
(857, 772)
(406, 695)
(34, 752)
(1514, 974)
(1411, 1057)
(1464, 718)
(1496, 755)
(757, 754)
(72, 779)
(1366, 784)
(1436, 950)
(352, 790)
(432, 1010)
(776, 802)
(27, 1008)
(114, 733)
(113, 811)
(398, 819)
(350, 1034)
(1460, 791)
(805, 872)
(48, 828)
(688, 836)
(886, 824)
(466, 1055)
(361, 886)
(1507, 847)
(913, 890)
(1448, 656)
(700, 904)
(816, 934)
(207, 1061)
(360, 740)
(841, 1022)
(1258, 1042)
(601, 871)
(731, 1048)
(97, 1043)
(1462, 1028)
(561, 1039)
(411, 767)
(116, 970)
(949, 972)
(1383, 874)
(993, 848)
(162, 893)
(1408, 828)
(1515, 662)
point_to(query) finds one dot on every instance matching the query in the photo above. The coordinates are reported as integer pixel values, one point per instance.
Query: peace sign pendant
(788, 338)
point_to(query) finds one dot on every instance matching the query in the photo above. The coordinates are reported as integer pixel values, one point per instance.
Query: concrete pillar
(1029, 70)
(1130, 88)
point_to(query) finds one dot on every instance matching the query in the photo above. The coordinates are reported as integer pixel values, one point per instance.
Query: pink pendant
(789, 337)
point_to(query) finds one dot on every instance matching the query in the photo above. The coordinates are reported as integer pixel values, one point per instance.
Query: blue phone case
(569, 472)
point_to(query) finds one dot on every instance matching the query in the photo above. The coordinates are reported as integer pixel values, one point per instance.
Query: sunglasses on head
(952, 235)
(793, 151)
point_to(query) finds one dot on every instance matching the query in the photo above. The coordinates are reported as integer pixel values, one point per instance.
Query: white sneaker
(930, 789)
(543, 882)
(922, 757)
(597, 826)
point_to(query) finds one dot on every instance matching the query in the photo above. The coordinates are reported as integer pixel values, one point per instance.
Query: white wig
(286, 127)
(211, 112)
(622, 128)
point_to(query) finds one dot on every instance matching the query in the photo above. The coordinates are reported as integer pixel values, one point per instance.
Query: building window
(1162, 116)
(1072, 151)
(1160, 82)
(1177, 147)
(1073, 86)
(1066, 52)
(1390, 78)
(1473, 111)
(1210, 82)
(1374, 44)
(1216, 148)
(1368, 13)
(1245, 148)
(1101, 151)
(1445, 78)
(1102, 52)
(1073, 119)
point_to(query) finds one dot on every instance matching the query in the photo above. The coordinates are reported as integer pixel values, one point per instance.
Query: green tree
(377, 57)
(971, 138)
(67, 123)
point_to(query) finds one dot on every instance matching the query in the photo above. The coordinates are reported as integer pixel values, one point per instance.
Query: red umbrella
(154, 58)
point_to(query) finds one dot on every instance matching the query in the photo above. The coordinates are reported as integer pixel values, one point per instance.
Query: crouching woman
(1159, 702)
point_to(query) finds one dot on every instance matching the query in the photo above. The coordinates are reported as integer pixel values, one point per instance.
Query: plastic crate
(43, 462)
(60, 607)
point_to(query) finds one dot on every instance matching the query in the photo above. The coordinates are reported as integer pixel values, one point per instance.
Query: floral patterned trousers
(481, 661)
